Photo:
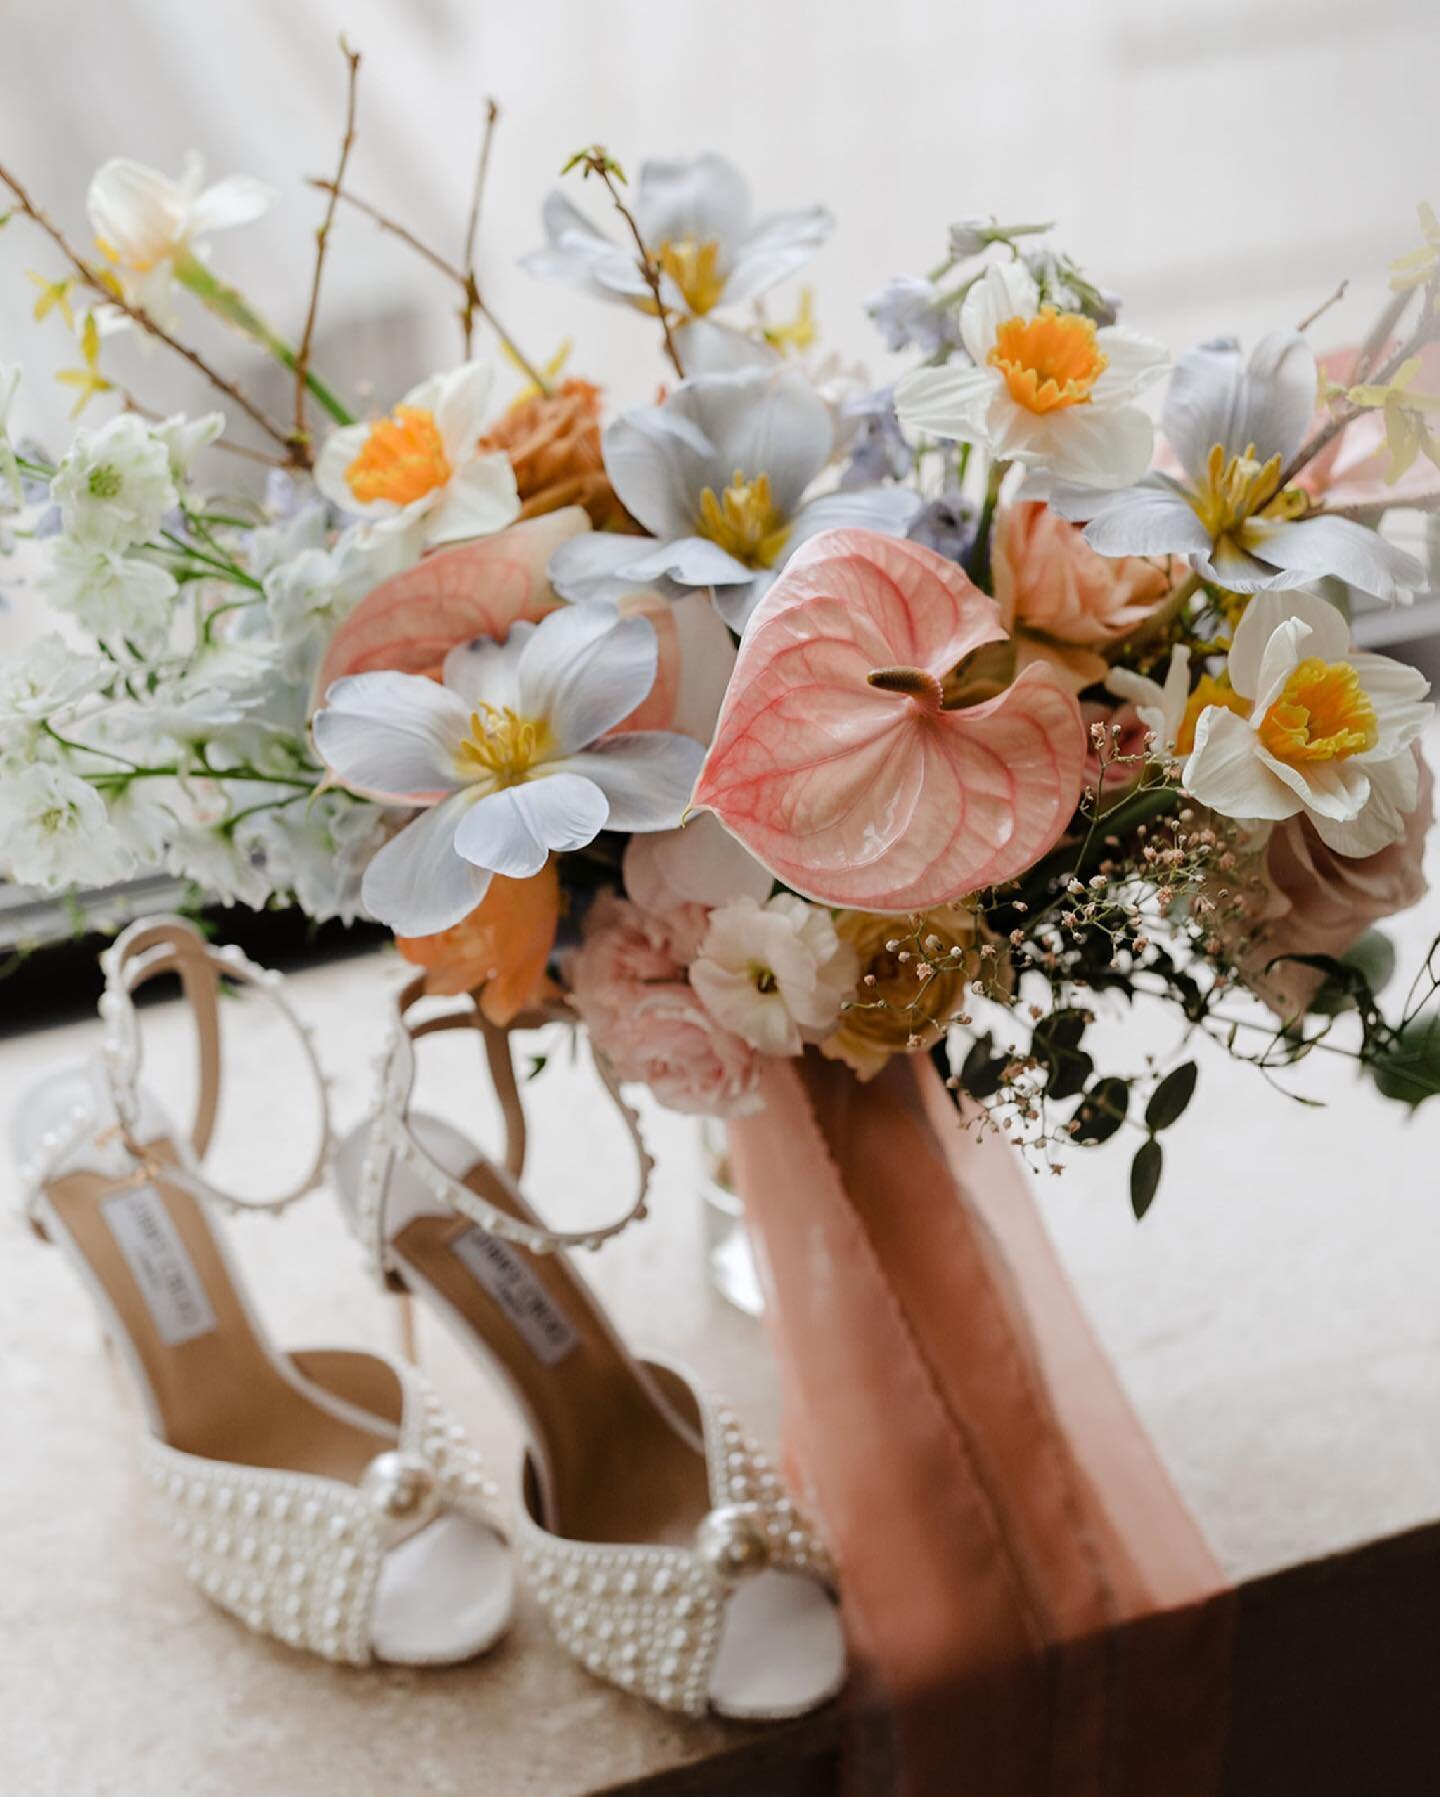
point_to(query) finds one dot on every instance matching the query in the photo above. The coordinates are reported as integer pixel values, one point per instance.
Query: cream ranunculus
(776, 974)
(1327, 731)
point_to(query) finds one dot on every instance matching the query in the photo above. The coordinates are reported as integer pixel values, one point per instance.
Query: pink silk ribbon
(1032, 1611)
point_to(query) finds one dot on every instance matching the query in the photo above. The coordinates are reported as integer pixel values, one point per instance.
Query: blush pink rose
(1315, 902)
(627, 981)
(1061, 600)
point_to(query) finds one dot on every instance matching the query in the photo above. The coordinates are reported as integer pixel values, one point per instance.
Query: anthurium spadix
(837, 759)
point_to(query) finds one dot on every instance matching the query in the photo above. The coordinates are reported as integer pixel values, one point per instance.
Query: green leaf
(1408, 1070)
(981, 1070)
(537, 1066)
(1169, 1099)
(1102, 1112)
(1055, 1043)
(1145, 1172)
(1362, 971)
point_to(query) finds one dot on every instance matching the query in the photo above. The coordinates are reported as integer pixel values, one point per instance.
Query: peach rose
(499, 951)
(553, 442)
(627, 981)
(1060, 600)
(1315, 902)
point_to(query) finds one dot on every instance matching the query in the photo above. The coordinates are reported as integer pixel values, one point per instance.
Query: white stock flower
(1048, 389)
(144, 221)
(118, 598)
(55, 831)
(317, 849)
(695, 218)
(509, 759)
(420, 466)
(308, 596)
(114, 485)
(776, 974)
(718, 475)
(1234, 427)
(184, 438)
(1328, 732)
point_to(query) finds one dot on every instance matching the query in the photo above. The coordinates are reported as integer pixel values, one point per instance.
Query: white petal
(234, 201)
(1401, 697)
(1094, 447)
(1281, 389)
(758, 421)
(952, 401)
(1333, 789)
(391, 736)
(462, 402)
(890, 511)
(1224, 770)
(698, 864)
(658, 460)
(1006, 290)
(513, 832)
(1312, 547)
(584, 669)
(1151, 518)
(479, 499)
(486, 672)
(688, 562)
(417, 883)
(646, 775)
(596, 565)
(1134, 362)
(1329, 634)
(774, 250)
(136, 210)
(702, 198)
(705, 346)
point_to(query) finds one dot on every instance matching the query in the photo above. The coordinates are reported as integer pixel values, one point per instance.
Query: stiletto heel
(656, 1536)
(321, 1497)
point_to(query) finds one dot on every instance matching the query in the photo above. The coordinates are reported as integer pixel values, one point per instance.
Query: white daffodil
(114, 485)
(420, 466)
(1052, 390)
(509, 759)
(144, 222)
(1234, 427)
(718, 475)
(695, 218)
(120, 599)
(777, 974)
(1160, 706)
(1318, 729)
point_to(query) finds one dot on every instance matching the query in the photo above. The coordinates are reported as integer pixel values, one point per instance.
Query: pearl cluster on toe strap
(649, 1619)
(298, 1556)
(391, 1140)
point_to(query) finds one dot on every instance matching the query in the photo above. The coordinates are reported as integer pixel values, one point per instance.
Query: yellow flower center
(1322, 714)
(403, 458)
(744, 520)
(1049, 361)
(694, 268)
(1238, 487)
(1209, 691)
(502, 746)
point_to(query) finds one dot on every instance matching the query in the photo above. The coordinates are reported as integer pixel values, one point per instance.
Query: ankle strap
(156, 945)
(392, 1135)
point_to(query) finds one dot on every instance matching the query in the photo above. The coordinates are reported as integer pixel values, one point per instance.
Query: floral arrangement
(786, 713)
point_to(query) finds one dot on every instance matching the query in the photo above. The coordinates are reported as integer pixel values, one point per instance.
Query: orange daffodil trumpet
(1320, 730)
(1049, 389)
(839, 765)
(419, 467)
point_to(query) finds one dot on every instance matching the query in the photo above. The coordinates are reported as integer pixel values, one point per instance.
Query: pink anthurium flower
(837, 761)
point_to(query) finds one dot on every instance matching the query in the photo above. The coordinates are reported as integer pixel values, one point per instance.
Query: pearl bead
(732, 1542)
(401, 1488)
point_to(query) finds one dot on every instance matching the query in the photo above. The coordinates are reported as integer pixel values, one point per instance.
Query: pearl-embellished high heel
(660, 1543)
(321, 1497)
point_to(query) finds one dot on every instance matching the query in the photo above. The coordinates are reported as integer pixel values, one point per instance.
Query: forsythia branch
(322, 239)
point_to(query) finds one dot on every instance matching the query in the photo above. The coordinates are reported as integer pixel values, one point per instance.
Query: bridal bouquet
(784, 713)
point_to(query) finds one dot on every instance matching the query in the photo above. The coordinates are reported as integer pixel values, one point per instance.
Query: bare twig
(1379, 336)
(596, 161)
(241, 449)
(465, 283)
(1324, 306)
(322, 239)
(472, 225)
(94, 280)
(1426, 331)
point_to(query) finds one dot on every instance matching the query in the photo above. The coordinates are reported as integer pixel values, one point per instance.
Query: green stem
(229, 303)
(979, 558)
